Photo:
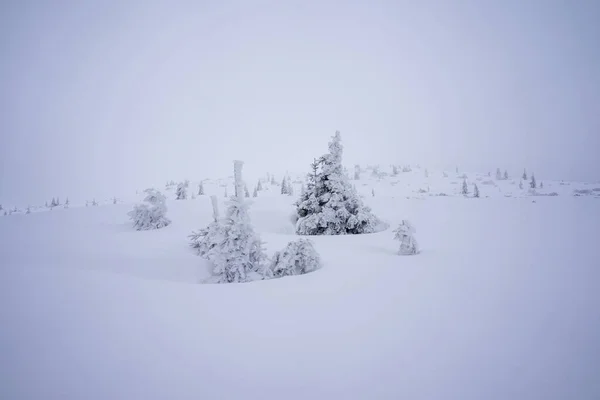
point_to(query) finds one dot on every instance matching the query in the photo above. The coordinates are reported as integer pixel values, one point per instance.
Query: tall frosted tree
(330, 206)
(533, 183)
(475, 191)
(505, 175)
(498, 174)
(524, 175)
(284, 186)
(201, 189)
(232, 246)
(465, 188)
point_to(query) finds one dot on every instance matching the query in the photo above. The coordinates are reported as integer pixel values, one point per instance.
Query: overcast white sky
(105, 96)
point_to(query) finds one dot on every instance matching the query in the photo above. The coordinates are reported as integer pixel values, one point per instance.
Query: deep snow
(502, 303)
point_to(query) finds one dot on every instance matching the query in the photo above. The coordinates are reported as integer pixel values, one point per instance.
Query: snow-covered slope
(502, 303)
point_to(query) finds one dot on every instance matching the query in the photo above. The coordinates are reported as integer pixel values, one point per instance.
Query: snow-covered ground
(502, 302)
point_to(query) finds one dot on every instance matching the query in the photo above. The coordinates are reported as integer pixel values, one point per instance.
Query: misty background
(99, 98)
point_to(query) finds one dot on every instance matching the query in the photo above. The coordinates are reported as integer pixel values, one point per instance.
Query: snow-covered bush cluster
(152, 213)
(299, 257)
(330, 205)
(236, 251)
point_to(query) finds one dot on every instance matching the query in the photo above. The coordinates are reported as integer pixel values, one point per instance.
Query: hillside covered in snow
(501, 302)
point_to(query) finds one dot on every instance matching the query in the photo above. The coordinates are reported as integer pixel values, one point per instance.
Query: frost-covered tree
(284, 186)
(465, 188)
(299, 257)
(330, 206)
(524, 177)
(520, 184)
(541, 185)
(255, 193)
(408, 244)
(152, 213)
(94, 203)
(259, 187)
(234, 248)
(533, 183)
(505, 175)
(181, 192)
(356, 172)
(394, 170)
(67, 203)
(498, 174)
(28, 211)
(373, 192)
(201, 189)
(475, 191)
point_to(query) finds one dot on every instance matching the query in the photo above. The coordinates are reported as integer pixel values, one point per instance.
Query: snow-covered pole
(215, 206)
(237, 176)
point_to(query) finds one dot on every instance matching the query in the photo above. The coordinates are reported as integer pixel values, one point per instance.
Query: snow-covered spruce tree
(206, 238)
(330, 206)
(505, 175)
(524, 175)
(152, 213)
(498, 174)
(255, 193)
(465, 188)
(394, 170)
(408, 244)
(181, 192)
(236, 251)
(299, 257)
(520, 184)
(532, 183)
(475, 191)
(290, 188)
(541, 185)
(284, 186)
(356, 172)
(67, 203)
(201, 189)
(259, 186)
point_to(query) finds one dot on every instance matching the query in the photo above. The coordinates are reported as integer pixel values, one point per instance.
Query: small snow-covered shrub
(404, 233)
(151, 214)
(181, 192)
(299, 257)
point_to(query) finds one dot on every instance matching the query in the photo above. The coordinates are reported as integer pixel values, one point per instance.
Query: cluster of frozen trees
(405, 235)
(236, 252)
(330, 205)
(500, 176)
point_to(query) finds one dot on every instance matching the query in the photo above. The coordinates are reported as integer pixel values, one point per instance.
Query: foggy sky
(101, 97)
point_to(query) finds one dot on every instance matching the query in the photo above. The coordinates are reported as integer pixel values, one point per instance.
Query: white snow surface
(501, 303)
